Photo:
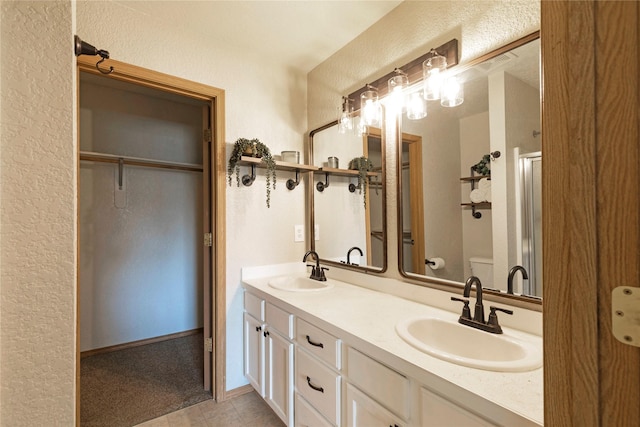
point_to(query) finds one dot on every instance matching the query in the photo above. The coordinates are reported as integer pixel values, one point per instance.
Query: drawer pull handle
(315, 387)
(315, 344)
(258, 328)
(265, 333)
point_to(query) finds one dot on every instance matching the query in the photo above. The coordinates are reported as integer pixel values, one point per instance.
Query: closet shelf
(93, 156)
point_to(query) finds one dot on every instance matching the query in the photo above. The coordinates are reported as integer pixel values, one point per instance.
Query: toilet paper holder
(435, 263)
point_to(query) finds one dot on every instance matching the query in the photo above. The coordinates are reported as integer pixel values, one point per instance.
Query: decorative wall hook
(84, 48)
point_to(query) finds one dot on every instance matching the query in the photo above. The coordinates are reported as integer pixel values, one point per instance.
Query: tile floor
(245, 410)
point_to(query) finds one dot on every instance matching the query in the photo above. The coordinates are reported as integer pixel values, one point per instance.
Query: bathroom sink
(463, 345)
(299, 284)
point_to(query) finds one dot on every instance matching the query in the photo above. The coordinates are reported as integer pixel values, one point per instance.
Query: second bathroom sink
(463, 345)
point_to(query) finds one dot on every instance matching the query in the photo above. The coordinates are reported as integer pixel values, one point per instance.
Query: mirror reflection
(348, 214)
(470, 178)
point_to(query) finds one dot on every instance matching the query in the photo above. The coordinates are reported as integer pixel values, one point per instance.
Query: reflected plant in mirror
(347, 229)
(481, 224)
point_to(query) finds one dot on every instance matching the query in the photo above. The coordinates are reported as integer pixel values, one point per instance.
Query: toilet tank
(482, 268)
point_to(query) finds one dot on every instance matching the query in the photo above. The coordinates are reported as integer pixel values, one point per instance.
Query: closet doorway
(151, 213)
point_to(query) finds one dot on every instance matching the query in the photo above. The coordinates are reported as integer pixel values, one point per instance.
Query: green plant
(363, 165)
(482, 167)
(252, 148)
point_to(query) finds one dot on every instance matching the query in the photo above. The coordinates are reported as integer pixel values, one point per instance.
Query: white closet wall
(141, 261)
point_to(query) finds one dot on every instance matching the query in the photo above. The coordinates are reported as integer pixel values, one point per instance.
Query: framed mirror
(469, 178)
(348, 216)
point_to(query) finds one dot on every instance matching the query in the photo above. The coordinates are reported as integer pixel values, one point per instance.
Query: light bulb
(416, 106)
(452, 93)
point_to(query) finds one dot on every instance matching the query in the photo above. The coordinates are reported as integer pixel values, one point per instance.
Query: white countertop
(369, 317)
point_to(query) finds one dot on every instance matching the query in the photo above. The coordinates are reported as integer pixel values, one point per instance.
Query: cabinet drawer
(319, 343)
(280, 320)
(254, 306)
(383, 384)
(319, 385)
(306, 416)
(362, 411)
(437, 411)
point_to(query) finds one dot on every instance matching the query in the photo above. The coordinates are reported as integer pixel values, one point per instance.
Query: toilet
(482, 268)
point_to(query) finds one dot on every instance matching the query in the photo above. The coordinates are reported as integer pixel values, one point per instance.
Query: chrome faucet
(317, 272)
(512, 273)
(349, 254)
(478, 316)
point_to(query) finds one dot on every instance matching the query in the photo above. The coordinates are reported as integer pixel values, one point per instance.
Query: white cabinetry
(279, 363)
(333, 382)
(437, 411)
(268, 354)
(254, 342)
(318, 361)
(362, 411)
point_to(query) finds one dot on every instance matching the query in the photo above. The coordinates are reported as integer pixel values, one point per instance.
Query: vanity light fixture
(371, 111)
(452, 92)
(416, 106)
(398, 85)
(433, 70)
(345, 119)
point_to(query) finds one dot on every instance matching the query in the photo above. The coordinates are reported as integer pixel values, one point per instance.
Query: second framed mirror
(347, 199)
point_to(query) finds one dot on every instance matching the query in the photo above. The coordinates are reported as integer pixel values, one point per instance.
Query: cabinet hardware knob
(258, 328)
(315, 387)
(315, 344)
(265, 333)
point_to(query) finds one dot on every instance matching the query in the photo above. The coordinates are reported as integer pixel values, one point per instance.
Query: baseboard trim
(230, 394)
(138, 343)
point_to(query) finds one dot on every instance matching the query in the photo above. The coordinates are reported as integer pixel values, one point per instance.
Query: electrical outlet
(316, 231)
(298, 233)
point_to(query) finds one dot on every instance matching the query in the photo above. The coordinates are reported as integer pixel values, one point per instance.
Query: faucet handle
(493, 318)
(321, 275)
(466, 312)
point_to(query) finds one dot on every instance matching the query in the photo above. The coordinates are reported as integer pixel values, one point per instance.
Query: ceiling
(298, 33)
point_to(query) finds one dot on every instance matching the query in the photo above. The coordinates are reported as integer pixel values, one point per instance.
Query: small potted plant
(252, 148)
(363, 165)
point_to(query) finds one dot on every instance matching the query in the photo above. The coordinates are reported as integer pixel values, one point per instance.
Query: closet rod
(137, 161)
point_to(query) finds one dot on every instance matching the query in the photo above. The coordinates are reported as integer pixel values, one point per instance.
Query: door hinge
(208, 344)
(207, 135)
(208, 239)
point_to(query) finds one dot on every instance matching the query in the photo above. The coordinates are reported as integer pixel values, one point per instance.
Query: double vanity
(331, 353)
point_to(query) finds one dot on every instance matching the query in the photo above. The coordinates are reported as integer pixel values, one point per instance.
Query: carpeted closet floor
(127, 387)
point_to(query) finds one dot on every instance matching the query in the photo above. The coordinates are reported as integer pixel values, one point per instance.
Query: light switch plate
(625, 314)
(298, 233)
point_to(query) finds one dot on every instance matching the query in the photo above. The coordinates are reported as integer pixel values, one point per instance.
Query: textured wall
(407, 32)
(38, 215)
(265, 100)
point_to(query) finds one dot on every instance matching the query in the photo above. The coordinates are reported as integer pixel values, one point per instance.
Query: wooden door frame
(416, 200)
(591, 206)
(216, 163)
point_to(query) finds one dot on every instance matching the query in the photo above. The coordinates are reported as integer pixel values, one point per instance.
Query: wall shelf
(349, 173)
(473, 180)
(256, 162)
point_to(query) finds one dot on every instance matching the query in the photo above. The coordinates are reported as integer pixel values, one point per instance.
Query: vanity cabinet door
(254, 352)
(279, 375)
(362, 411)
(439, 412)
